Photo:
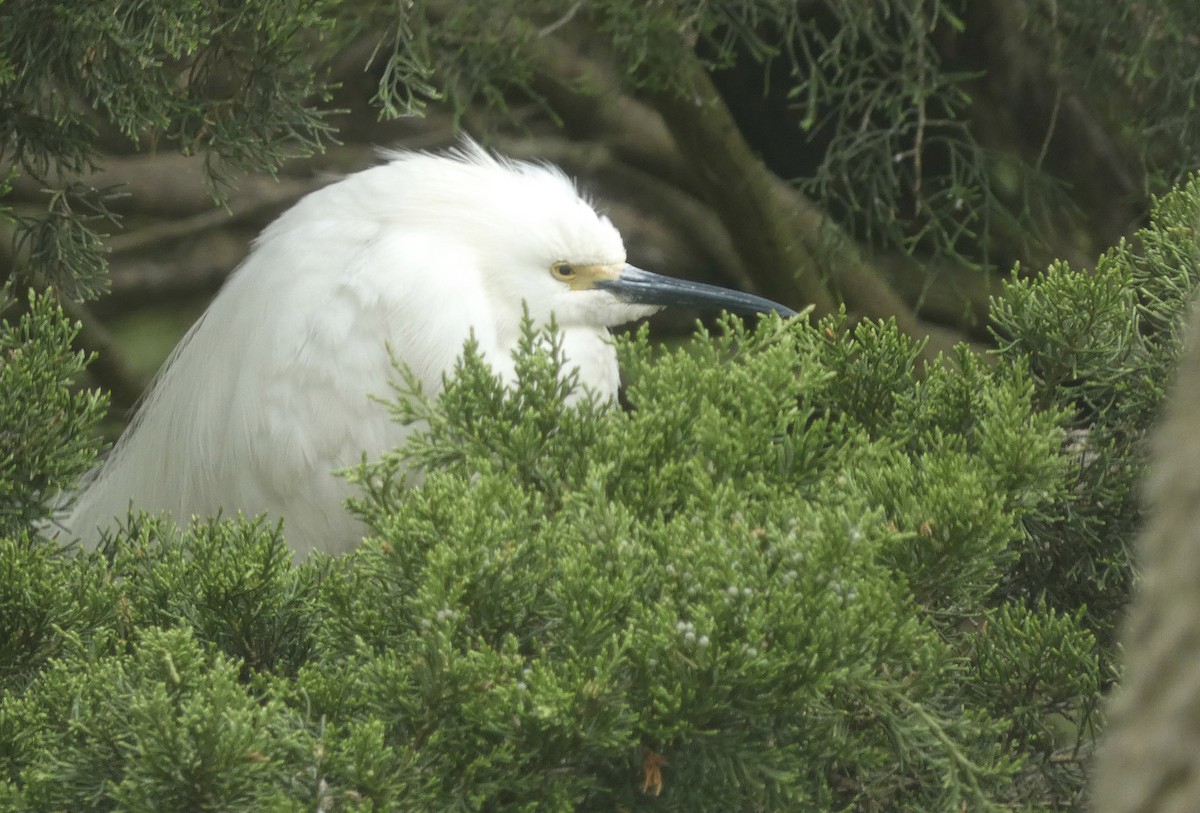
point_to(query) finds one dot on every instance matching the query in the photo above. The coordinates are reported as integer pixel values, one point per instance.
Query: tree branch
(796, 252)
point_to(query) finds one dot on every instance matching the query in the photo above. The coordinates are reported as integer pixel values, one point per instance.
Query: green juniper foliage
(234, 81)
(796, 573)
(46, 431)
(165, 726)
(792, 574)
(1101, 346)
(1144, 49)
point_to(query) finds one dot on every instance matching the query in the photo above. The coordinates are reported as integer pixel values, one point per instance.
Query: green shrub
(46, 430)
(793, 571)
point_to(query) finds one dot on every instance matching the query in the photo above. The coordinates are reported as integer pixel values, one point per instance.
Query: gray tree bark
(1150, 760)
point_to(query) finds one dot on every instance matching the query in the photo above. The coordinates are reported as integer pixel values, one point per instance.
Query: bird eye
(563, 271)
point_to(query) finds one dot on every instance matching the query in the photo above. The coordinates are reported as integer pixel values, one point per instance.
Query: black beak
(643, 288)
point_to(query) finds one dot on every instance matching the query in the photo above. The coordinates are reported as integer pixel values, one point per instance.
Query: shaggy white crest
(270, 392)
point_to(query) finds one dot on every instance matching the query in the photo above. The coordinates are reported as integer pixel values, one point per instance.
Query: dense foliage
(46, 431)
(795, 569)
(236, 84)
(791, 573)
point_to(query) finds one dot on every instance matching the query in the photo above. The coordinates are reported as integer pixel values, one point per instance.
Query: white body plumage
(271, 391)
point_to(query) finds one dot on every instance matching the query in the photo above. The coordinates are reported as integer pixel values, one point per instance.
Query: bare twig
(547, 30)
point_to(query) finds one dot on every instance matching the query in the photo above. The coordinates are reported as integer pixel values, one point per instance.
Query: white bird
(270, 392)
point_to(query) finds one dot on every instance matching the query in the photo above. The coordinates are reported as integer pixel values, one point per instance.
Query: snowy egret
(270, 392)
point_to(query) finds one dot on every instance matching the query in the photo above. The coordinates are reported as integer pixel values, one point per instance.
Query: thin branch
(546, 31)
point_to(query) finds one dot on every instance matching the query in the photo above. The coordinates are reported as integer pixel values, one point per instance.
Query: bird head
(544, 249)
